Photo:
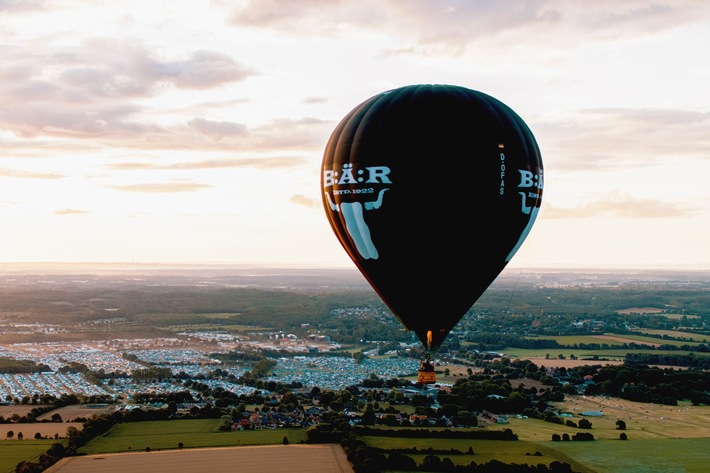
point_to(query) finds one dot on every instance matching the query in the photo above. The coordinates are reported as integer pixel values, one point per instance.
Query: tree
(20, 436)
(620, 425)
(399, 461)
(72, 435)
(585, 424)
(10, 434)
(622, 436)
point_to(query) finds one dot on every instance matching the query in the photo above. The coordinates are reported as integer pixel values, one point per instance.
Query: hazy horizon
(175, 266)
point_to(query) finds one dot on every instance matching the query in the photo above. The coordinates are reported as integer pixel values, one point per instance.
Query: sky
(192, 132)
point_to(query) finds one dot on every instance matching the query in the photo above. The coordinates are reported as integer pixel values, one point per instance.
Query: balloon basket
(426, 373)
(426, 377)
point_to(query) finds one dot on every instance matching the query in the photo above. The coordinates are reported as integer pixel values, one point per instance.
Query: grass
(13, 452)
(613, 340)
(519, 452)
(676, 316)
(587, 339)
(611, 353)
(197, 326)
(639, 456)
(192, 433)
(696, 337)
(661, 438)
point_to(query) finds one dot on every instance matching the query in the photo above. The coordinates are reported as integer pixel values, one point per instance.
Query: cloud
(288, 133)
(70, 212)
(163, 187)
(5, 172)
(95, 89)
(278, 162)
(612, 138)
(315, 100)
(621, 205)
(304, 201)
(451, 27)
(217, 130)
(20, 6)
(205, 69)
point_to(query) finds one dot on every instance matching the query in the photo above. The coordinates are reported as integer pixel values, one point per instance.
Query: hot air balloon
(431, 189)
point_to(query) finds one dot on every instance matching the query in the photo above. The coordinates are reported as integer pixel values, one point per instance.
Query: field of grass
(657, 341)
(696, 337)
(13, 452)
(197, 326)
(660, 438)
(611, 353)
(613, 340)
(45, 429)
(676, 316)
(639, 456)
(192, 433)
(643, 420)
(576, 339)
(520, 452)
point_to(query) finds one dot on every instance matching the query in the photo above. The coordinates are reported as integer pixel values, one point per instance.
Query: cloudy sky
(193, 131)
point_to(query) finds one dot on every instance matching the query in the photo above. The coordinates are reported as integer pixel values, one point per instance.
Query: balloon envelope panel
(431, 189)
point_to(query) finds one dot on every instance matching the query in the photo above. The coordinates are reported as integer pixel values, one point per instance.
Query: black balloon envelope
(431, 189)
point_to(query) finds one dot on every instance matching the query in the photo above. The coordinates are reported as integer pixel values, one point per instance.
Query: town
(320, 354)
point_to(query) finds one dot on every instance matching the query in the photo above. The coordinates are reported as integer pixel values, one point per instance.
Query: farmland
(197, 433)
(255, 459)
(205, 333)
(14, 451)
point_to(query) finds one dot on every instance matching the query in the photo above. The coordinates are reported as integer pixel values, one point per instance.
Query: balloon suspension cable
(426, 363)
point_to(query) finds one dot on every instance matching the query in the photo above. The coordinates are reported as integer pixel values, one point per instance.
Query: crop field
(16, 409)
(615, 340)
(679, 316)
(658, 435)
(583, 355)
(70, 413)
(324, 458)
(520, 452)
(641, 310)
(696, 337)
(161, 435)
(13, 452)
(45, 429)
(640, 456)
(643, 420)
(646, 340)
(587, 339)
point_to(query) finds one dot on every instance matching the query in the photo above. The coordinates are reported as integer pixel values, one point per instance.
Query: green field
(13, 452)
(484, 451)
(576, 339)
(192, 433)
(639, 456)
(569, 340)
(696, 337)
(606, 454)
(234, 328)
(610, 354)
